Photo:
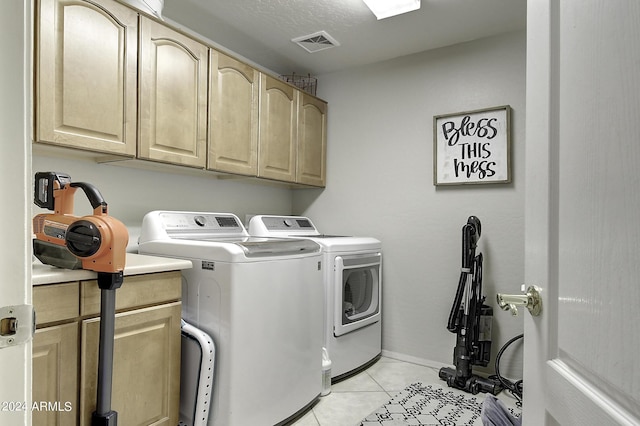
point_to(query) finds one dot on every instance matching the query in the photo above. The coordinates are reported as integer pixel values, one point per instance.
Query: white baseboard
(413, 359)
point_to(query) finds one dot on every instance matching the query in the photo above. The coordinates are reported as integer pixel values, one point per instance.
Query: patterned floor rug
(420, 405)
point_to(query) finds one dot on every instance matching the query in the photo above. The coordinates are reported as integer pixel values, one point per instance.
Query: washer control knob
(200, 220)
(288, 223)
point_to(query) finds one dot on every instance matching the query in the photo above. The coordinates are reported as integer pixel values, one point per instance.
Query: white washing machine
(352, 286)
(260, 299)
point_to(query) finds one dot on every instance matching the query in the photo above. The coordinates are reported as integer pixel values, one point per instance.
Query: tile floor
(354, 398)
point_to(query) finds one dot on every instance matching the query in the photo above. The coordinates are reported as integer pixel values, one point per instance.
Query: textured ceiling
(261, 30)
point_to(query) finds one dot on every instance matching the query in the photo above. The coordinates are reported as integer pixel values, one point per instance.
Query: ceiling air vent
(316, 42)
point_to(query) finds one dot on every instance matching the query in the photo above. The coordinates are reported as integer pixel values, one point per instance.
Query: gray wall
(131, 192)
(380, 143)
(380, 183)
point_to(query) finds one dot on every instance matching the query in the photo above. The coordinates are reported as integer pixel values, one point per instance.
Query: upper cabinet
(261, 126)
(173, 96)
(278, 129)
(312, 141)
(293, 134)
(233, 115)
(86, 70)
(115, 81)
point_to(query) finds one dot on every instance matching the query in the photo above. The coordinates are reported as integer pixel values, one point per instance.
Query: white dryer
(261, 301)
(352, 288)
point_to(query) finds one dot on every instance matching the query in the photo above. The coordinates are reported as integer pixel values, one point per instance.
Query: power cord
(515, 388)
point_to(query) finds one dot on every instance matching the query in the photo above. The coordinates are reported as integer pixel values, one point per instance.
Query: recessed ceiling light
(387, 8)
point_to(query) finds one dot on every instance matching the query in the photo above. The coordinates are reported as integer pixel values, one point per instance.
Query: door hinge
(17, 325)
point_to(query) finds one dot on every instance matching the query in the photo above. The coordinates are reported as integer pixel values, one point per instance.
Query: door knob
(531, 300)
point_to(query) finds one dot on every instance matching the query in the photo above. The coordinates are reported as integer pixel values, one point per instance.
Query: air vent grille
(316, 42)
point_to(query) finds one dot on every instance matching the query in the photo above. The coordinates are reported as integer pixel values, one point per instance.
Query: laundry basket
(307, 83)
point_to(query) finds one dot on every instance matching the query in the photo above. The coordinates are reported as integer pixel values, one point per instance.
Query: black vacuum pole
(108, 283)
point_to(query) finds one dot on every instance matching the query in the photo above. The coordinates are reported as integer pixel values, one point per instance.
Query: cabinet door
(278, 130)
(173, 96)
(312, 141)
(85, 75)
(55, 375)
(233, 115)
(146, 366)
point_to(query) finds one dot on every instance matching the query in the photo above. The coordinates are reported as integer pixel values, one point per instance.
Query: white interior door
(582, 364)
(15, 211)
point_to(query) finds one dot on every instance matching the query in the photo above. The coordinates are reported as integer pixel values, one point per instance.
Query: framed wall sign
(472, 147)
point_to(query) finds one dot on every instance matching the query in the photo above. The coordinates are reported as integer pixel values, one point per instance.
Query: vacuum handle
(94, 196)
(44, 187)
(470, 235)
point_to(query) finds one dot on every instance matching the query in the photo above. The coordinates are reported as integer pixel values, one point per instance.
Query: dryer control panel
(288, 223)
(262, 225)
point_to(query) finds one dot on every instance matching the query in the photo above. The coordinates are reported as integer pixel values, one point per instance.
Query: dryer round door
(357, 293)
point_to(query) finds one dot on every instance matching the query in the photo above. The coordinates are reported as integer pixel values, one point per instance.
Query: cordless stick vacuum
(95, 242)
(471, 320)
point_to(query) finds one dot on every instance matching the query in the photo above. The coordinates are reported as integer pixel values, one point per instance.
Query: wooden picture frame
(472, 147)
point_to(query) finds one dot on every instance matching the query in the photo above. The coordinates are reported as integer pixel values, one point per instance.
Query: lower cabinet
(146, 370)
(146, 366)
(55, 375)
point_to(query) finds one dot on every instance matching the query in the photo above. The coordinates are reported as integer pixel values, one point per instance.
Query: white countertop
(136, 264)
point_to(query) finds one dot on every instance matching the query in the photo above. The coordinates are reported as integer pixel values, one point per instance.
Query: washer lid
(264, 247)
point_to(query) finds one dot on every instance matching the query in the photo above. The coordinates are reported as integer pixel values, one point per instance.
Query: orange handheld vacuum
(95, 242)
